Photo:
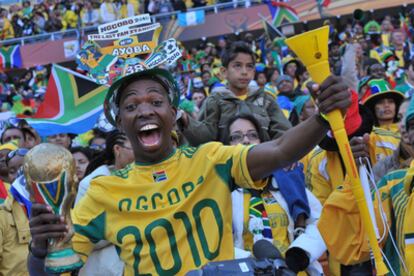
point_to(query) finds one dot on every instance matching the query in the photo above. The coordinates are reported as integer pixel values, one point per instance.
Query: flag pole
(271, 25)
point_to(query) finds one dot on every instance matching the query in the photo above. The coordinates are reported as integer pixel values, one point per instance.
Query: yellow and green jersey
(394, 202)
(341, 210)
(408, 226)
(326, 172)
(394, 128)
(409, 235)
(169, 217)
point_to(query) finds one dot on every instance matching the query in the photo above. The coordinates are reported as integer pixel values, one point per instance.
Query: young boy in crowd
(235, 98)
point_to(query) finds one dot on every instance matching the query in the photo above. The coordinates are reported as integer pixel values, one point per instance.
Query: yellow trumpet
(312, 49)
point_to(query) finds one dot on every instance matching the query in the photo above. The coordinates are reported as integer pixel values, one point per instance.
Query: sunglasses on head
(97, 147)
(19, 152)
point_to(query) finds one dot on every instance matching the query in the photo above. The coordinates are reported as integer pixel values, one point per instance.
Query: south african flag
(159, 176)
(72, 104)
(282, 13)
(10, 57)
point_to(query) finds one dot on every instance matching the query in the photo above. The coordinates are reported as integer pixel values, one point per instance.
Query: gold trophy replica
(51, 179)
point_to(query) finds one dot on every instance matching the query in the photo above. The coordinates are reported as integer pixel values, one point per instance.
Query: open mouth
(149, 135)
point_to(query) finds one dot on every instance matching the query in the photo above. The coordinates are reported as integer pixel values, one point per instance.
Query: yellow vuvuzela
(312, 49)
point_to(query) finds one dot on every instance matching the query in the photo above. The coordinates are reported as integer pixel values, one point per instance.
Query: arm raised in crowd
(296, 142)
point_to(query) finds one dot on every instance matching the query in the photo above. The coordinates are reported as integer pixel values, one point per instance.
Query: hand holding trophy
(51, 180)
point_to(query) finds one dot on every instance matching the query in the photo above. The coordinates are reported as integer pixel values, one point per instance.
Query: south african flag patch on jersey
(159, 176)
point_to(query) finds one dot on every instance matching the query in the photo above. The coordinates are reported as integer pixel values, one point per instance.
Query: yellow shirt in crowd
(7, 31)
(14, 238)
(392, 127)
(408, 232)
(242, 97)
(70, 20)
(352, 246)
(324, 173)
(165, 219)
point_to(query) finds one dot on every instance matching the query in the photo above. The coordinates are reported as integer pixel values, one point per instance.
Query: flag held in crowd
(270, 30)
(10, 57)
(191, 18)
(282, 13)
(72, 104)
(323, 3)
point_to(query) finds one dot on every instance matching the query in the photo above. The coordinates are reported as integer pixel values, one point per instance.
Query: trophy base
(62, 261)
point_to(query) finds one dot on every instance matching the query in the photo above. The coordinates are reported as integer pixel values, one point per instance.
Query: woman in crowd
(384, 104)
(272, 76)
(82, 157)
(117, 154)
(61, 139)
(267, 214)
(97, 142)
(198, 97)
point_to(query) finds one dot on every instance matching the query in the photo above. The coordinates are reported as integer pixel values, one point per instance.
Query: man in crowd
(145, 108)
(394, 199)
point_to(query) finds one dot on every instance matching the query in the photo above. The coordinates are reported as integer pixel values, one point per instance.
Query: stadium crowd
(248, 92)
(58, 15)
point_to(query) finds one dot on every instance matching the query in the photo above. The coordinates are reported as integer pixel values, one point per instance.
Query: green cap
(111, 104)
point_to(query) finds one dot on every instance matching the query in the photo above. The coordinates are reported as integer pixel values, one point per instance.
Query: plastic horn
(363, 175)
(312, 49)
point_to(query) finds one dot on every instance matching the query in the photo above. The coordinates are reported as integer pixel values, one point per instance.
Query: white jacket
(103, 260)
(311, 240)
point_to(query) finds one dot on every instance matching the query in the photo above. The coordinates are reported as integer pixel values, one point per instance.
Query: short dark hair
(236, 48)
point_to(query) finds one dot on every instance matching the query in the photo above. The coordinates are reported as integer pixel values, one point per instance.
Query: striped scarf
(259, 221)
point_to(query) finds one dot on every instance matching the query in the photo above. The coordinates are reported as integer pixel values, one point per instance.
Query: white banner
(125, 33)
(124, 24)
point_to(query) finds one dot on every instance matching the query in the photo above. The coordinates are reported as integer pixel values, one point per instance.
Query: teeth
(148, 127)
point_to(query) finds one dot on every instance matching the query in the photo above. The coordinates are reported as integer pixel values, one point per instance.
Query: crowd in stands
(248, 92)
(58, 15)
